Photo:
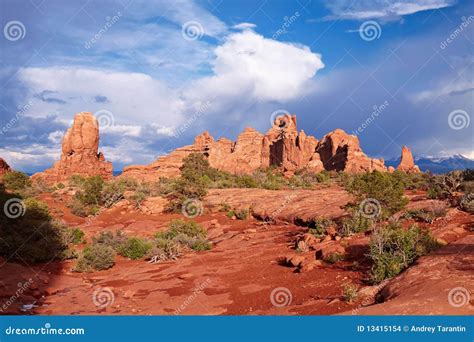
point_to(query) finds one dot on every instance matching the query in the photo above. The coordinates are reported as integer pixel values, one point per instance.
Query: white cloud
(268, 70)
(381, 9)
(244, 26)
(134, 98)
(56, 137)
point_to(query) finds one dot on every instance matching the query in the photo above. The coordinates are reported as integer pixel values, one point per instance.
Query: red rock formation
(4, 167)
(80, 154)
(407, 163)
(340, 151)
(282, 146)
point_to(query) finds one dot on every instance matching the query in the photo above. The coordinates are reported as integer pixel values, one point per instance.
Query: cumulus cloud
(265, 69)
(381, 9)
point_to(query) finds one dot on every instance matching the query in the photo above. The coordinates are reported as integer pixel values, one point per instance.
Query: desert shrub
(177, 227)
(356, 223)
(197, 244)
(448, 184)
(383, 187)
(334, 258)
(349, 292)
(224, 207)
(393, 248)
(112, 192)
(269, 178)
(165, 250)
(319, 225)
(60, 186)
(134, 248)
(96, 257)
(425, 215)
(91, 191)
(16, 180)
(242, 214)
(467, 203)
(108, 238)
(74, 236)
(78, 208)
(77, 180)
(468, 175)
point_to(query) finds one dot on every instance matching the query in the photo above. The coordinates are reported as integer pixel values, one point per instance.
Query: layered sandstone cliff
(80, 154)
(282, 146)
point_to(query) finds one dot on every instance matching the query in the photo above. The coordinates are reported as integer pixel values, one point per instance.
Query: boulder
(80, 154)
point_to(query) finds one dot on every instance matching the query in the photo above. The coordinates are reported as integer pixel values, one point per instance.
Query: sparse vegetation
(393, 248)
(425, 215)
(96, 257)
(16, 180)
(334, 258)
(134, 248)
(387, 189)
(356, 223)
(349, 292)
(74, 236)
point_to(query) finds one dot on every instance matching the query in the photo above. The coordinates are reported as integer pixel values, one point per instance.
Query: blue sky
(157, 73)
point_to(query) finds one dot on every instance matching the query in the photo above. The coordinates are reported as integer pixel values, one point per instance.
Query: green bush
(241, 214)
(349, 292)
(74, 236)
(96, 257)
(393, 248)
(177, 227)
(387, 189)
(91, 191)
(357, 223)
(425, 215)
(16, 180)
(135, 248)
(108, 238)
(197, 244)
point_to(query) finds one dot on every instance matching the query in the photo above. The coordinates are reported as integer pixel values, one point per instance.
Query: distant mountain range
(438, 165)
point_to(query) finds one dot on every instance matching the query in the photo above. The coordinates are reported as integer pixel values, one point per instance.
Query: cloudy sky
(157, 73)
